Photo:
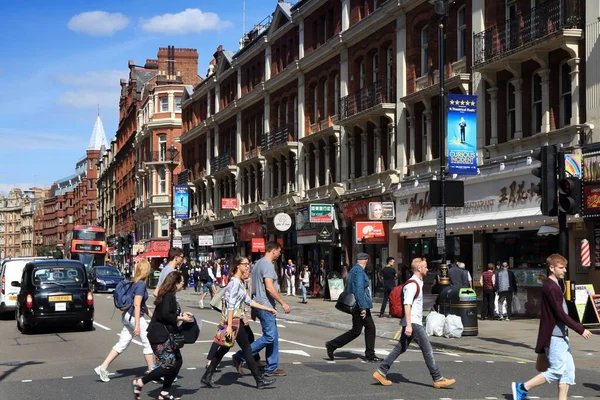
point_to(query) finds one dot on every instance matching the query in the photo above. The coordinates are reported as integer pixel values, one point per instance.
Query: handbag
(190, 331)
(346, 302)
(217, 301)
(177, 340)
(221, 337)
(542, 364)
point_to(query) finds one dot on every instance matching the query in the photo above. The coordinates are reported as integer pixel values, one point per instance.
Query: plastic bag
(434, 324)
(453, 326)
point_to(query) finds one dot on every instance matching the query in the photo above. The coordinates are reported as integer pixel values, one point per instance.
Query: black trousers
(244, 343)
(169, 374)
(487, 310)
(357, 324)
(508, 295)
(386, 296)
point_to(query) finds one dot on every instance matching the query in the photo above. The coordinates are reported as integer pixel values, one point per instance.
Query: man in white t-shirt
(412, 328)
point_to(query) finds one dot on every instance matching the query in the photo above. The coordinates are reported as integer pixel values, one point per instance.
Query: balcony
(428, 85)
(280, 137)
(221, 163)
(544, 28)
(162, 157)
(250, 154)
(370, 103)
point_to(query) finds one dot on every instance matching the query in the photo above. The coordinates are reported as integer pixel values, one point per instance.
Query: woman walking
(235, 298)
(304, 282)
(134, 323)
(164, 322)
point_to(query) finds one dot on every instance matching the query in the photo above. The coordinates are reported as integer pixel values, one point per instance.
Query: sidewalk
(515, 338)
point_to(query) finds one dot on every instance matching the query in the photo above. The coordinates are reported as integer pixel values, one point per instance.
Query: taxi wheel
(88, 325)
(21, 325)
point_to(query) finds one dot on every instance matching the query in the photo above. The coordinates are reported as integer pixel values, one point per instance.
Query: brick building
(336, 102)
(172, 66)
(17, 222)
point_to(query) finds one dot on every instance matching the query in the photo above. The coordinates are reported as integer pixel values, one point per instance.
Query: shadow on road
(593, 386)
(399, 378)
(507, 342)
(128, 373)
(55, 329)
(7, 316)
(14, 366)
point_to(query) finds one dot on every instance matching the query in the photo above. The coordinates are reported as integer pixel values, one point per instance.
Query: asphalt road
(58, 364)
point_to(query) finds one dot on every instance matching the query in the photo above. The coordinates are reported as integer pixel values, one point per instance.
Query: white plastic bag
(453, 327)
(434, 324)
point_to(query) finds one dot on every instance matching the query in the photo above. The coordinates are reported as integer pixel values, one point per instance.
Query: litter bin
(153, 279)
(462, 302)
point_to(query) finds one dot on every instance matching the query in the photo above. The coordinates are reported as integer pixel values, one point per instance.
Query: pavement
(514, 338)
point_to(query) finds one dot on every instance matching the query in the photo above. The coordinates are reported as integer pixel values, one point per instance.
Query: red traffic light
(564, 186)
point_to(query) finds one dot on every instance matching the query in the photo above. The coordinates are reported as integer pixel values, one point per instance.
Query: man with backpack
(412, 328)
(207, 278)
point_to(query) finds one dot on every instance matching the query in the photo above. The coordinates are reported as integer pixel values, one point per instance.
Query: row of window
(461, 42)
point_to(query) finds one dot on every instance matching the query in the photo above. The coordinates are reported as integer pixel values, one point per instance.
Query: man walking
(265, 290)
(174, 260)
(290, 278)
(553, 335)
(389, 276)
(412, 328)
(506, 285)
(359, 284)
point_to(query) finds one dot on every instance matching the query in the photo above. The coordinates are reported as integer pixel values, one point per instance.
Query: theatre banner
(181, 202)
(462, 134)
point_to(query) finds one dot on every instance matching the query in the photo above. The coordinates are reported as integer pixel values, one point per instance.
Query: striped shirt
(235, 297)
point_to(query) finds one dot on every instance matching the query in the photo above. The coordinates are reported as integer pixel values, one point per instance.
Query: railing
(163, 156)
(252, 153)
(528, 27)
(370, 96)
(279, 137)
(220, 162)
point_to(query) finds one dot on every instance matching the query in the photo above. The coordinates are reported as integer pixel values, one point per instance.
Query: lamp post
(172, 153)
(441, 9)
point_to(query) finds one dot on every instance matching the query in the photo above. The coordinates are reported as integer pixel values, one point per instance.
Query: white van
(11, 270)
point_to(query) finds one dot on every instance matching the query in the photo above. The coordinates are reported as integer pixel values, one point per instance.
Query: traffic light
(569, 195)
(547, 187)
(122, 244)
(129, 241)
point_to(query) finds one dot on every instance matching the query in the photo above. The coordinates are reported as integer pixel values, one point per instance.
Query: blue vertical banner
(462, 134)
(181, 202)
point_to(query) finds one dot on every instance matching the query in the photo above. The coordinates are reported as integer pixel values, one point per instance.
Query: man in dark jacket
(505, 286)
(458, 276)
(553, 335)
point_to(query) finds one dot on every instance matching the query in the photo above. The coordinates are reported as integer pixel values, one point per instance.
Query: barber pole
(585, 253)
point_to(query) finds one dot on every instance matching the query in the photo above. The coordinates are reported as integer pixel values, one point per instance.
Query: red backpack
(397, 299)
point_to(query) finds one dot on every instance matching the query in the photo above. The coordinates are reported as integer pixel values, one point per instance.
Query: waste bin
(462, 302)
(153, 279)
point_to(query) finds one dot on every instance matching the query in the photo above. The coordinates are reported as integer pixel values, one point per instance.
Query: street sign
(440, 217)
(321, 213)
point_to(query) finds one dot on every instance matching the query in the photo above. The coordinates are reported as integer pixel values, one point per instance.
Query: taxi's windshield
(67, 275)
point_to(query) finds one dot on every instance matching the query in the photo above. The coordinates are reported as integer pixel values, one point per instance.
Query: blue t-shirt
(139, 289)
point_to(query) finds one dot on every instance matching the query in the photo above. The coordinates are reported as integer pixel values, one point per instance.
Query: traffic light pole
(563, 229)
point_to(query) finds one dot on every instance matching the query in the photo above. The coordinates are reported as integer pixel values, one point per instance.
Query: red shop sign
(356, 210)
(250, 230)
(160, 245)
(370, 232)
(229, 204)
(258, 245)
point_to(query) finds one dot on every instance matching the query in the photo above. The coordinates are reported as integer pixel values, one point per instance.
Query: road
(58, 364)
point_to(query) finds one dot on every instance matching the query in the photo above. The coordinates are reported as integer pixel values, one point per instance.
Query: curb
(384, 334)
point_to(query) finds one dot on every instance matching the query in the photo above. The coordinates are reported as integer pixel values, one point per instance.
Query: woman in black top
(164, 321)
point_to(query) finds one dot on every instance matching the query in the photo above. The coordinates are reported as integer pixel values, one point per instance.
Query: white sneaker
(201, 303)
(102, 373)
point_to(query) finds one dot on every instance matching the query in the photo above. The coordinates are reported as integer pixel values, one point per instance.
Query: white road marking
(106, 328)
(491, 398)
(296, 352)
(458, 361)
(330, 362)
(589, 354)
(296, 362)
(299, 344)
(577, 397)
(191, 368)
(280, 326)
(521, 362)
(293, 322)
(490, 361)
(67, 377)
(532, 397)
(26, 380)
(204, 341)
(210, 322)
(109, 297)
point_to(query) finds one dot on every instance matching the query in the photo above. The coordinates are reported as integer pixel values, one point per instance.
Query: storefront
(316, 242)
(224, 245)
(205, 243)
(252, 240)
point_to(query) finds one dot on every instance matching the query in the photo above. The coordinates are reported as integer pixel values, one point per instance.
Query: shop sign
(223, 236)
(381, 210)
(356, 210)
(205, 240)
(177, 243)
(159, 246)
(305, 230)
(591, 199)
(186, 239)
(370, 232)
(325, 233)
(250, 230)
(229, 204)
(258, 245)
(321, 213)
(282, 222)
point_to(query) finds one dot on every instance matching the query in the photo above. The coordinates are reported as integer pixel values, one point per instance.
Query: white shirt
(416, 311)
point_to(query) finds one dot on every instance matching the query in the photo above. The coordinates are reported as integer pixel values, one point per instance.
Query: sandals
(167, 397)
(137, 390)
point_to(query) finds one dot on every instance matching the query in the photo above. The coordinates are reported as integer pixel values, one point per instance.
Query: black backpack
(204, 277)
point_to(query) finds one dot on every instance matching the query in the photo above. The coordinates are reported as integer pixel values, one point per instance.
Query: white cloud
(16, 139)
(102, 79)
(90, 98)
(98, 23)
(192, 20)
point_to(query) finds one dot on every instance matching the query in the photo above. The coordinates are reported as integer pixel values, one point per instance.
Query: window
(164, 104)
(424, 142)
(336, 97)
(70, 219)
(565, 95)
(162, 181)
(511, 112)
(316, 104)
(162, 147)
(461, 20)
(325, 99)
(389, 73)
(177, 103)
(361, 75)
(91, 184)
(375, 66)
(424, 51)
(60, 221)
(536, 104)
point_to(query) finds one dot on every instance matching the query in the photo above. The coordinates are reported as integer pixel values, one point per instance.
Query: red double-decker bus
(86, 243)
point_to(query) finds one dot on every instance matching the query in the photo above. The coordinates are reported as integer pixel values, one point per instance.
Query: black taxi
(54, 292)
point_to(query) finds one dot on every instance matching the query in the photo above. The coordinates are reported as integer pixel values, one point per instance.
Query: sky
(61, 61)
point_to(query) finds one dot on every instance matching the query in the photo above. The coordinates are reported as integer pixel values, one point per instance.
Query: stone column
(288, 163)
(271, 180)
(216, 142)
(216, 195)
(392, 145)
(377, 158)
(239, 83)
(493, 92)
(345, 14)
(256, 180)
(351, 143)
(266, 114)
(209, 195)
(217, 98)
(338, 169)
(428, 129)
(301, 38)
(208, 152)
(327, 168)
(344, 135)
(317, 170)
(518, 107)
(243, 182)
(238, 138)
(574, 64)
(364, 154)
(208, 105)
(171, 100)
(296, 171)
(545, 75)
(281, 167)
(267, 63)
(412, 128)
(306, 170)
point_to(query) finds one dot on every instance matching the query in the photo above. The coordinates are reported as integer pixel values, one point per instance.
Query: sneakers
(379, 377)
(518, 391)
(102, 373)
(443, 382)
(201, 303)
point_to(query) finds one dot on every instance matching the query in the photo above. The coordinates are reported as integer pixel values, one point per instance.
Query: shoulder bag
(221, 337)
(346, 302)
(177, 340)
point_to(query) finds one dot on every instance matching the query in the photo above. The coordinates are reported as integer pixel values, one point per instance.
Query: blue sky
(60, 59)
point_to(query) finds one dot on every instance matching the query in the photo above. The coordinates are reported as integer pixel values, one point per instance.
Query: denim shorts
(562, 366)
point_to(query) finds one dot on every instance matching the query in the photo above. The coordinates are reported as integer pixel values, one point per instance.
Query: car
(11, 269)
(104, 278)
(53, 292)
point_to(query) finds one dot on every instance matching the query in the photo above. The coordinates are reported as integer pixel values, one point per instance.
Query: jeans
(562, 366)
(487, 310)
(303, 292)
(420, 336)
(508, 295)
(269, 340)
(386, 296)
(357, 324)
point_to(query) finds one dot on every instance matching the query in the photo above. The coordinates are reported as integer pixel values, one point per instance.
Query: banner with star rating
(462, 134)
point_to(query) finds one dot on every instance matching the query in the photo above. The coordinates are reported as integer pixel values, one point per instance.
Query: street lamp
(173, 154)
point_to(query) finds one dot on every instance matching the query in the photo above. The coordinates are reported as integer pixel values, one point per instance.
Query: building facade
(10, 224)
